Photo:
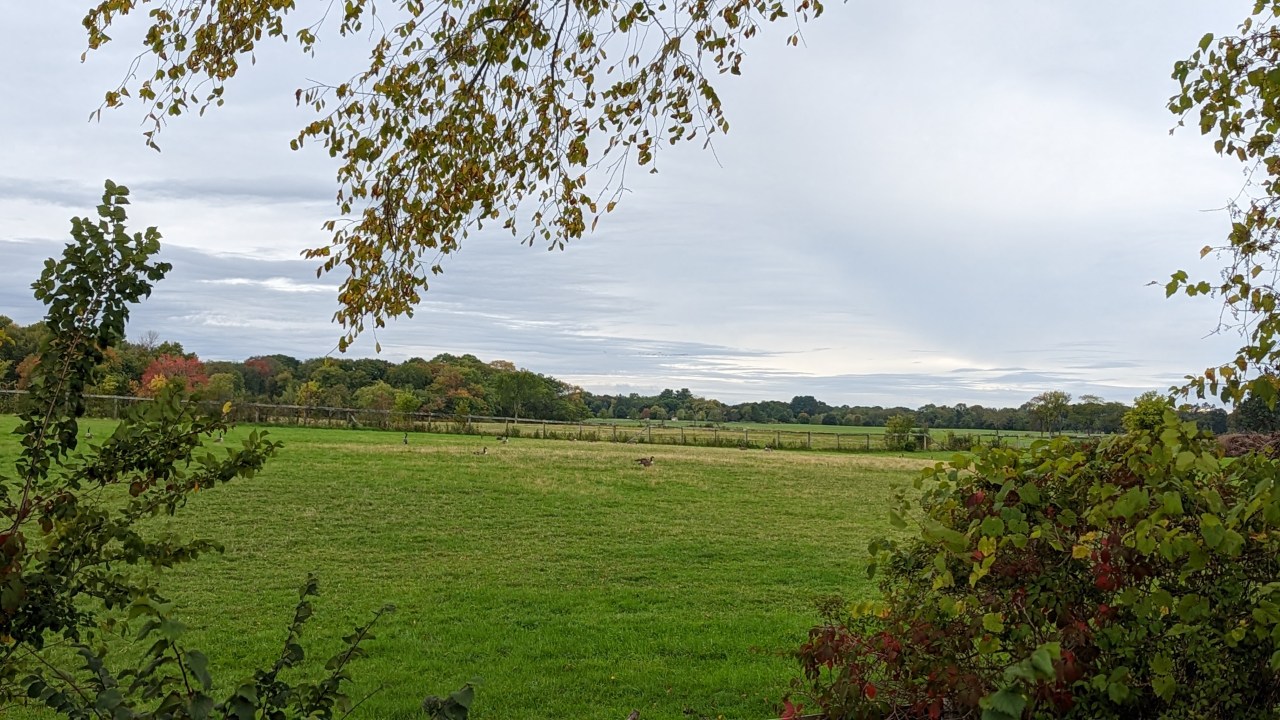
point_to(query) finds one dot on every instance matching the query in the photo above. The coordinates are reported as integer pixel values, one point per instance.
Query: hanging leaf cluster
(523, 114)
(1229, 88)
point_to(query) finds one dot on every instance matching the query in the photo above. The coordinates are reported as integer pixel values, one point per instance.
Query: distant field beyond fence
(780, 437)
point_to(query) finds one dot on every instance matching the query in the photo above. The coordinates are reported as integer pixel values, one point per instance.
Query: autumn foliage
(186, 373)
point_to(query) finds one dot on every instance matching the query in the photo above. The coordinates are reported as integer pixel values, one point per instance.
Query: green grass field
(571, 581)
(752, 435)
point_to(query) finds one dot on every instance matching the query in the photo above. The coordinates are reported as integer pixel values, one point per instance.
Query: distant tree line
(466, 385)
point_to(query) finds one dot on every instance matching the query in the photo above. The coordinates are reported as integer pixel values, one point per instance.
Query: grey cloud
(232, 322)
(257, 189)
(1105, 365)
(54, 192)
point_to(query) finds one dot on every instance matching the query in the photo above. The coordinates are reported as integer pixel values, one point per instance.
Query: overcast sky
(928, 202)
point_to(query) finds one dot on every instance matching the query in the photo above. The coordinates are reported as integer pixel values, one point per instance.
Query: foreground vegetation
(572, 581)
(1131, 577)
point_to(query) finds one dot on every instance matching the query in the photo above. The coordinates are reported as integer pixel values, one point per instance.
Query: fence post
(681, 434)
(777, 440)
(810, 439)
(615, 432)
(838, 441)
(649, 430)
(715, 436)
(544, 430)
(746, 436)
(868, 442)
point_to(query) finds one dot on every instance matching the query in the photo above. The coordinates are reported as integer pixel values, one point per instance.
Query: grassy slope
(574, 582)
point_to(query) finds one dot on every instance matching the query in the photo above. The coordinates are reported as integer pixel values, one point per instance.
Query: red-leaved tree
(167, 370)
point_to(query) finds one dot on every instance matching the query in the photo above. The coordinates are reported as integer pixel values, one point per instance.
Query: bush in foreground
(1134, 577)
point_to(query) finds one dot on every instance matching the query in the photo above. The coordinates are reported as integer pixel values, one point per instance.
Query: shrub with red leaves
(1136, 577)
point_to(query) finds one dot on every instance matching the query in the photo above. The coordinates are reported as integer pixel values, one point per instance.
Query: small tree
(406, 404)
(1148, 411)
(222, 387)
(67, 548)
(898, 431)
(1048, 409)
(184, 373)
(516, 389)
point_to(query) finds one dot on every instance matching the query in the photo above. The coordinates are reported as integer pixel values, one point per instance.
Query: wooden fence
(781, 438)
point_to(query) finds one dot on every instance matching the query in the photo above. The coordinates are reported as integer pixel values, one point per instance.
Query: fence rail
(114, 406)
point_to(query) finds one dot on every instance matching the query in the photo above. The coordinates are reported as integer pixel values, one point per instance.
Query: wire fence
(635, 432)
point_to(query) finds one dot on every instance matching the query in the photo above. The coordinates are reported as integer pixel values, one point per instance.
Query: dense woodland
(466, 385)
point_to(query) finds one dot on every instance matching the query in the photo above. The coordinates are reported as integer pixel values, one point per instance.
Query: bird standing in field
(406, 439)
(646, 462)
(481, 451)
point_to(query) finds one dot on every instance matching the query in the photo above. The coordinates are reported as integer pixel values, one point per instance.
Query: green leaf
(1185, 459)
(1164, 686)
(896, 519)
(952, 540)
(171, 629)
(1043, 663)
(1212, 530)
(200, 706)
(1118, 692)
(1008, 702)
(198, 664)
(1130, 503)
(1232, 543)
(108, 700)
(1191, 607)
(1030, 494)
(993, 622)
(993, 527)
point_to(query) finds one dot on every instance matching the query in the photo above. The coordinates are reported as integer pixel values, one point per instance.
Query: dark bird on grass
(768, 448)
(645, 461)
(503, 439)
(406, 439)
(88, 434)
(481, 451)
